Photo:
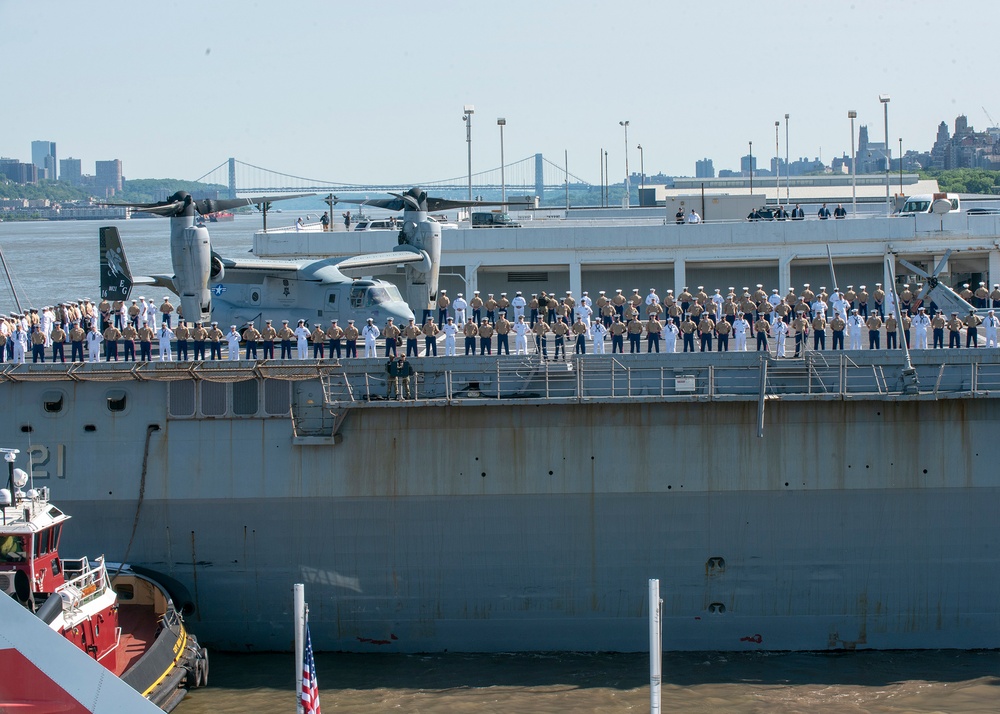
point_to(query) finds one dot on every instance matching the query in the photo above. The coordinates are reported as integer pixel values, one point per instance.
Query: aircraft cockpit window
(357, 297)
(394, 293)
(377, 296)
(331, 299)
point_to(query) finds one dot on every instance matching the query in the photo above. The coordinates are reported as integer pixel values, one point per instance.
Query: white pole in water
(299, 610)
(655, 646)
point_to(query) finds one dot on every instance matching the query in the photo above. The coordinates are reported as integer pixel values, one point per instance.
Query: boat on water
(221, 216)
(121, 617)
(823, 502)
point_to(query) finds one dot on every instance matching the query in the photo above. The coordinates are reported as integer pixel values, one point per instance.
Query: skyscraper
(43, 155)
(108, 177)
(704, 169)
(70, 171)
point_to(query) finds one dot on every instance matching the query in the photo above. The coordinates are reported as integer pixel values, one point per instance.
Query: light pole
(467, 118)
(852, 115)
(501, 122)
(884, 98)
(788, 169)
(628, 182)
(600, 160)
(642, 169)
(750, 168)
(900, 166)
(777, 166)
(607, 181)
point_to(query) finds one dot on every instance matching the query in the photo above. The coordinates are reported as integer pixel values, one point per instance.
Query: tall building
(108, 177)
(747, 164)
(70, 171)
(43, 155)
(704, 169)
(18, 172)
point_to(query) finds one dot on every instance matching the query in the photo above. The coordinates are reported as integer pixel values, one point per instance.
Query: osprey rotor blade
(941, 264)
(915, 269)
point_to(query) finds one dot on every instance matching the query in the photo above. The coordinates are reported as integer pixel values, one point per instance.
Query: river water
(57, 261)
(882, 682)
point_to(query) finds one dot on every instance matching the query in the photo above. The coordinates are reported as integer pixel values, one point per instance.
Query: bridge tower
(232, 177)
(539, 177)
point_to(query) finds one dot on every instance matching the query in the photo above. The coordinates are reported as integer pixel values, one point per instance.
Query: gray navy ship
(826, 502)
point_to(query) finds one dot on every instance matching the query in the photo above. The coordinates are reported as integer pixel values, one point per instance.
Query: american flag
(310, 689)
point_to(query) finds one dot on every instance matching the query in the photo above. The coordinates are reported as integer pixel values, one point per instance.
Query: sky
(373, 92)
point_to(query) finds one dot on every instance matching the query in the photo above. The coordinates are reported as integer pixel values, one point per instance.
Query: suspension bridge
(532, 175)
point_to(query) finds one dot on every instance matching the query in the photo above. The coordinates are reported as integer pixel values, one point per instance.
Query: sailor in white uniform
(518, 303)
(854, 326)
(151, 314)
(45, 324)
(521, 330)
(597, 333)
(774, 299)
(990, 325)
(740, 329)
(780, 333)
(94, 340)
(302, 341)
(450, 329)
(670, 333)
(717, 301)
(583, 312)
(920, 324)
(20, 338)
(460, 306)
(370, 333)
(165, 335)
(233, 340)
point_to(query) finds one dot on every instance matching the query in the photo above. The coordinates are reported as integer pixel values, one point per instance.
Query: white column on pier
(576, 278)
(680, 275)
(471, 280)
(784, 273)
(994, 268)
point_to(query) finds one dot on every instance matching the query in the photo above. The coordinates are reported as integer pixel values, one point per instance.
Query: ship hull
(849, 524)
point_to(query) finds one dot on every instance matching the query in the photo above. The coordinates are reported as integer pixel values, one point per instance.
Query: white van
(925, 202)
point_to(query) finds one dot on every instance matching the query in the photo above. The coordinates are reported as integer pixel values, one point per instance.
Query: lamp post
(852, 115)
(900, 166)
(467, 118)
(777, 167)
(600, 160)
(750, 168)
(607, 181)
(628, 182)
(788, 169)
(642, 169)
(884, 98)
(501, 122)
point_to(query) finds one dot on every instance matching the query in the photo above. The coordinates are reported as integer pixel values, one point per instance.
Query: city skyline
(334, 93)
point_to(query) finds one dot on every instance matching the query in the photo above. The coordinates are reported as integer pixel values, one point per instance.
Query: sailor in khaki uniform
(268, 335)
(541, 329)
(285, 334)
(972, 323)
(938, 324)
(411, 333)
(351, 335)
(706, 328)
(470, 331)
(762, 328)
(819, 331)
(58, 339)
(146, 336)
(560, 330)
(837, 326)
(430, 331)
(617, 330)
(215, 337)
(688, 328)
(76, 339)
(723, 328)
(891, 328)
(391, 334)
(198, 336)
(580, 331)
(318, 338)
(334, 334)
(251, 336)
(503, 329)
(486, 337)
(442, 303)
(182, 333)
(165, 311)
(955, 331)
(634, 329)
(653, 331)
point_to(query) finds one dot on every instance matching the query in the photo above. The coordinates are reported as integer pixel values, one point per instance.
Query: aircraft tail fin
(116, 277)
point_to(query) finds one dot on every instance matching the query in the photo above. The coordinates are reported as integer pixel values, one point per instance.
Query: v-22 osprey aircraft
(238, 291)
(235, 292)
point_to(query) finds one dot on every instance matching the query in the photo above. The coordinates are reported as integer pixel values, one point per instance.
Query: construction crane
(993, 124)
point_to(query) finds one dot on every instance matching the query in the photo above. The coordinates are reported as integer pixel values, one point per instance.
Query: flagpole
(299, 610)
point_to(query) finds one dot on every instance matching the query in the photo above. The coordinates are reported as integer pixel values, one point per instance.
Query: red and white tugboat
(127, 621)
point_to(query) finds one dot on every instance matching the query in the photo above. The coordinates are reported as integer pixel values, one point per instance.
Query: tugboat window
(52, 401)
(116, 401)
